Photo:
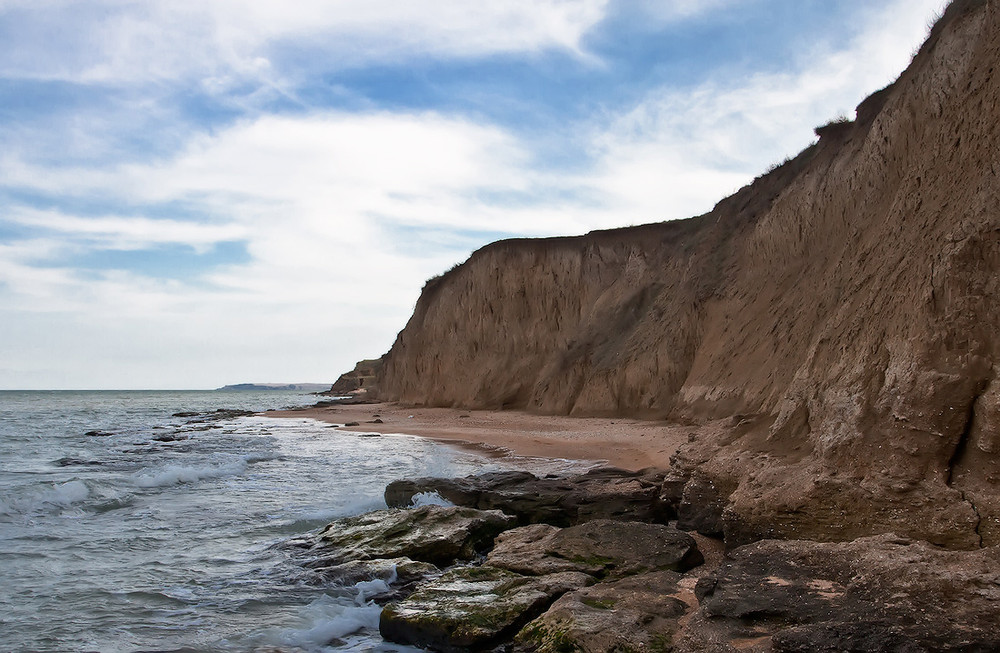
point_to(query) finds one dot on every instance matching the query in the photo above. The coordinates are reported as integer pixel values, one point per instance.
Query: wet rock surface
(214, 416)
(401, 575)
(599, 548)
(603, 493)
(473, 607)
(435, 534)
(637, 613)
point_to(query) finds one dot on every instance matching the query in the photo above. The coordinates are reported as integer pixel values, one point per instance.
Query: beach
(627, 443)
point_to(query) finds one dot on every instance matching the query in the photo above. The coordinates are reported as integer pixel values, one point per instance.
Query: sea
(162, 521)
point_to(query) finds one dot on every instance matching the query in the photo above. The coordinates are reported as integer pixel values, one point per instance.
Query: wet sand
(627, 443)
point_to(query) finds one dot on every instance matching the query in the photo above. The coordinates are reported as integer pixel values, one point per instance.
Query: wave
(176, 474)
(57, 496)
(328, 619)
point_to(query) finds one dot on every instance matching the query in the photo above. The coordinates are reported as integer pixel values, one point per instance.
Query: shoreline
(626, 443)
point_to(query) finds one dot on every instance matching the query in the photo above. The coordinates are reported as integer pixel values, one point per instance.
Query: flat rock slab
(473, 607)
(435, 534)
(599, 548)
(603, 493)
(638, 613)
(879, 593)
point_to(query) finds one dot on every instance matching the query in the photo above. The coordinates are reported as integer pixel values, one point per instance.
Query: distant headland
(302, 387)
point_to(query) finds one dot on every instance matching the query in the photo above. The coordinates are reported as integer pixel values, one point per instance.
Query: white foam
(328, 619)
(368, 589)
(174, 474)
(429, 499)
(68, 493)
(61, 495)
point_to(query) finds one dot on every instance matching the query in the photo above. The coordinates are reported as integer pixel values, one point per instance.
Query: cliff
(830, 328)
(362, 380)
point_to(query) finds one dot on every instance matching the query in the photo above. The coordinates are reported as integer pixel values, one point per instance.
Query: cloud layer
(155, 235)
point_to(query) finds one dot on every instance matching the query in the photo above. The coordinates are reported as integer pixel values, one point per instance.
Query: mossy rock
(601, 548)
(434, 534)
(473, 607)
(637, 613)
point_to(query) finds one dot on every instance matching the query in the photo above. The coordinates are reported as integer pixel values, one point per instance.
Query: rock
(638, 613)
(172, 437)
(460, 491)
(702, 504)
(352, 424)
(98, 434)
(604, 493)
(214, 416)
(72, 462)
(361, 380)
(230, 413)
(400, 574)
(874, 594)
(435, 534)
(599, 548)
(473, 608)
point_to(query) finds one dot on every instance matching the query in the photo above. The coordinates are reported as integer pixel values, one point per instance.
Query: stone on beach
(435, 534)
(599, 548)
(638, 613)
(603, 493)
(473, 607)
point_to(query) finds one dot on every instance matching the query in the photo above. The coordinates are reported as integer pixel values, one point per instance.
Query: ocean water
(165, 533)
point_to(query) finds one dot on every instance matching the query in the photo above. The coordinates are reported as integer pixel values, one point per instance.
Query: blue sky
(201, 193)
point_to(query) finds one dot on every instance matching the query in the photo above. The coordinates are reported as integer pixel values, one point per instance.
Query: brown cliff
(844, 307)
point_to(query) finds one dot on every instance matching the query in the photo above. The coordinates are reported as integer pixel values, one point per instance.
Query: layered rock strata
(831, 328)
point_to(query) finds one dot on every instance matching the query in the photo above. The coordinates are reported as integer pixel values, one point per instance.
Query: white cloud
(671, 10)
(223, 41)
(331, 206)
(314, 198)
(128, 233)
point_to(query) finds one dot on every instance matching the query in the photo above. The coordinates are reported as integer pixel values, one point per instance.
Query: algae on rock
(435, 534)
(473, 607)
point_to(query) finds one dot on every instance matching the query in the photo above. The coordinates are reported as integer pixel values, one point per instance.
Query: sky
(195, 193)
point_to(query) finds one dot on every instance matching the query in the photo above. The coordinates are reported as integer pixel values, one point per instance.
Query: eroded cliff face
(844, 307)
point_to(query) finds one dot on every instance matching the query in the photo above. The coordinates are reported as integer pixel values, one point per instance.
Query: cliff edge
(830, 328)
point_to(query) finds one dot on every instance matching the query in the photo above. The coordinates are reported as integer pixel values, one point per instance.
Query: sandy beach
(627, 443)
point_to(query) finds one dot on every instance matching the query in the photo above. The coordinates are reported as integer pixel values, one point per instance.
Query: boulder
(874, 594)
(473, 607)
(603, 493)
(638, 613)
(435, 534)
(460, 491)
(702, 504)
(599, 548)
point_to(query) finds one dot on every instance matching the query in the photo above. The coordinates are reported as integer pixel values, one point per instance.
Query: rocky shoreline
(613, 560)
